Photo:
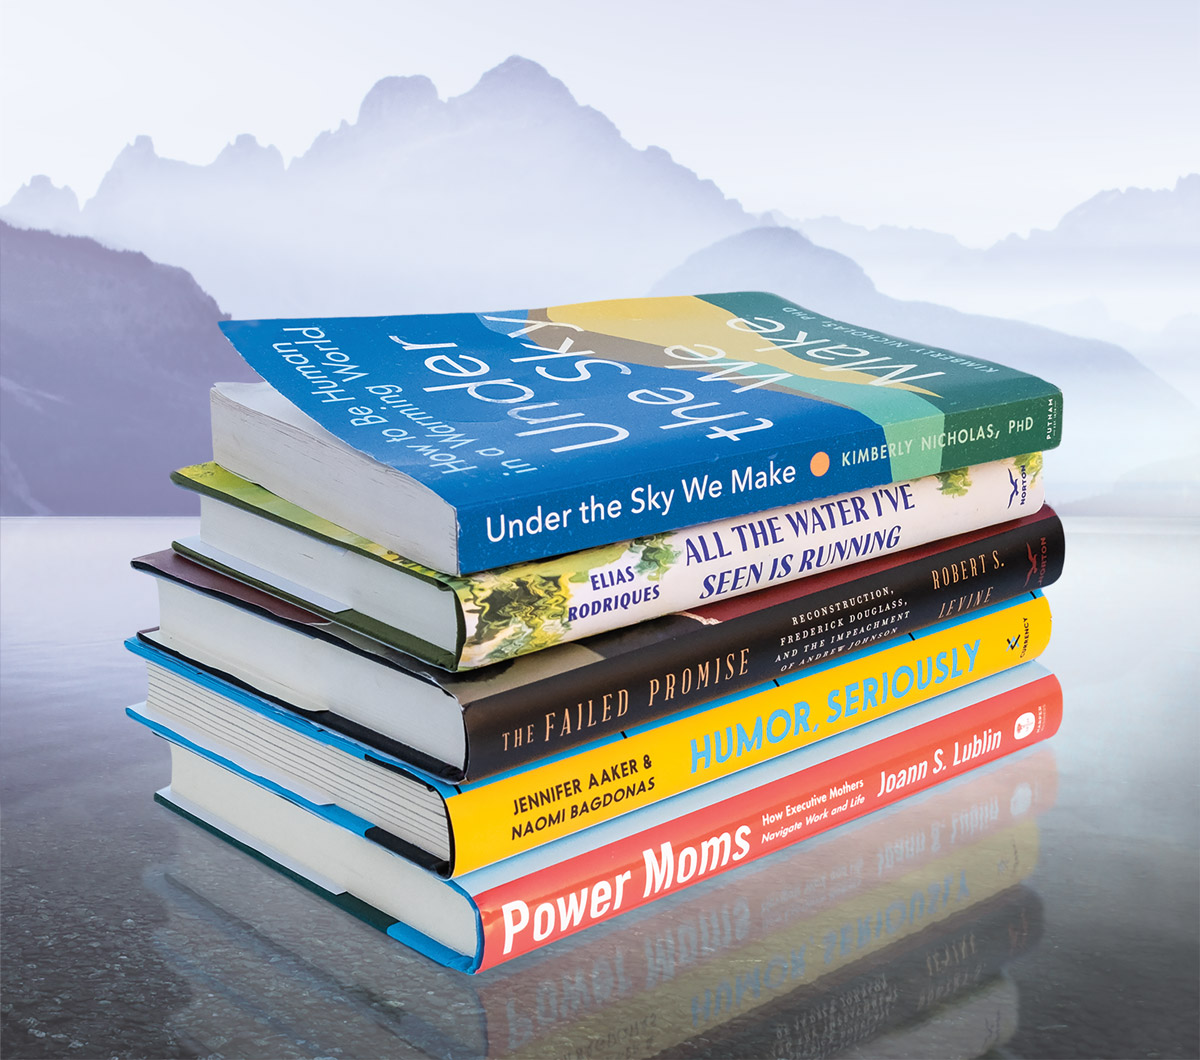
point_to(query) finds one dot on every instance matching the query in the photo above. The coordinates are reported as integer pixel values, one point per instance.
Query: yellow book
(460, 828)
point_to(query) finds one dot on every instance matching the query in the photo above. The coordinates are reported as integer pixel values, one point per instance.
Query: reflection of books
(464, 621)
(866, 1003)
(464, 723)
(854, 932)
(532, 433)
(270, 947)
(970, 1026)
(522, 903)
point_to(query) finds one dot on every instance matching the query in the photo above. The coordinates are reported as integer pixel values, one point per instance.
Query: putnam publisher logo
(1026, 723)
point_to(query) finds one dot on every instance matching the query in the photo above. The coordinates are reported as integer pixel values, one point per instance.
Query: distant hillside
(514, 195)
(1134, 253)
(1124, 429)
(510, 194)
(106, 359)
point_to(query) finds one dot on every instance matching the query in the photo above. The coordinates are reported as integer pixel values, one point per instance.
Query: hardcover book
(461, 726)
(523, 434)
(476, 620)
(456, 828)
(531, 900)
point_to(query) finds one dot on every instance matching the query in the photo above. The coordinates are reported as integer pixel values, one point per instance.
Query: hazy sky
(977, 118)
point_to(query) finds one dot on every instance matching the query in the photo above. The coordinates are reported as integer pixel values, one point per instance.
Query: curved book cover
(558, 699)
(522, 434)
(462, 622)
(524, 903)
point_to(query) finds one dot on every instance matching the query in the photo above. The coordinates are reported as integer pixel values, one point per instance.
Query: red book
(525, 902)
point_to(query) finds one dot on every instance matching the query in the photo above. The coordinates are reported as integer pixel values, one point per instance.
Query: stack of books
(502, 625)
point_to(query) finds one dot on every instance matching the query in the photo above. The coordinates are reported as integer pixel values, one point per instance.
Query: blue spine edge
(402, 932)
(283, 716)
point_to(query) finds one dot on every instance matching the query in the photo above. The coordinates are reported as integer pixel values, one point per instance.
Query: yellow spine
(503, 817)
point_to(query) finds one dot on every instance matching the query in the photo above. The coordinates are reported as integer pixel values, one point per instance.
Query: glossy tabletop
(1047, 906)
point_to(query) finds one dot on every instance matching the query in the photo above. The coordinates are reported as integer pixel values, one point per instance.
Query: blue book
(466, 442)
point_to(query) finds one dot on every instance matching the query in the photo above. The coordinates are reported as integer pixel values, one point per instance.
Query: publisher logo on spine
(1019, 487)
(1026, 723)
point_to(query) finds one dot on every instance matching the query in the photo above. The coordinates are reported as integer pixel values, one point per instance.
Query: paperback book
(611, 869)
(464, 726)
(253, 535)
(456, 828)
(523, 434)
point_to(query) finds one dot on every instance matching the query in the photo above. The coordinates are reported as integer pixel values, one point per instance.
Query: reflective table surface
(1046, 906)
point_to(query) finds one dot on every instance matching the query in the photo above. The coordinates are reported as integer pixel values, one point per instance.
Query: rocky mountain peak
(517, 83)
(40, 204)
(395, 98)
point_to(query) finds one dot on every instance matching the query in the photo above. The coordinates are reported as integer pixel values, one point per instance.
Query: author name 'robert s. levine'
(981, 743)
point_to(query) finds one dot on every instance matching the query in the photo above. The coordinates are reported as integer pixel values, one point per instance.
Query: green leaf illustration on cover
(518, 615)
(657, 556)
(955, 483)
(1032, 463)
(518, 612)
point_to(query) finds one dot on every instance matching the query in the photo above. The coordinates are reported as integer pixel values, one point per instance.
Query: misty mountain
(1172, 352)
(105, 368)
(108, 357)
(1136, 220)
(1135, 253)
(895, 254)
(1120, 420)
(510, 194)
(39, 204)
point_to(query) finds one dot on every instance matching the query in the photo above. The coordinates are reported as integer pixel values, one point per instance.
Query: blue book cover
(556, 429)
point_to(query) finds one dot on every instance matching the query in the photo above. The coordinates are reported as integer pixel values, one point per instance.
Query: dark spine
(669, 665)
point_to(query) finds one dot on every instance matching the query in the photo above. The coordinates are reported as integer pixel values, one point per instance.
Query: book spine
(527, 607)
(521, 810)
(530, 912)
(639, 505)
(686, 660)
(534, 425)
(622, 964)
